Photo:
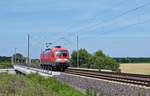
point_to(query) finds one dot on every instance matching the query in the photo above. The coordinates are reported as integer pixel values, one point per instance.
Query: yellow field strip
(137, 68)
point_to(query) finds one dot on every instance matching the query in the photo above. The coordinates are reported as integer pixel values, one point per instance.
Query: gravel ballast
(103, 87)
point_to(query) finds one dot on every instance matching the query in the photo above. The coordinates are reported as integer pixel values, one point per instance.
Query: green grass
(34, 85)
(4, 65)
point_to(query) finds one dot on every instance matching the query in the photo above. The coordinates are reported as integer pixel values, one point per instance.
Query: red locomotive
(55, 58)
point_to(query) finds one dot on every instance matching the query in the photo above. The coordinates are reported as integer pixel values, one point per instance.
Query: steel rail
(113, 77)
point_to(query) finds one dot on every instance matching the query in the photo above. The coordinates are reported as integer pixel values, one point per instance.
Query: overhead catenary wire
(124, 27)
(85, 29)
(72, 25)
(115, 18)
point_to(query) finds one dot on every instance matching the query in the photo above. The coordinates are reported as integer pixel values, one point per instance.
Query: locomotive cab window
(62, 53)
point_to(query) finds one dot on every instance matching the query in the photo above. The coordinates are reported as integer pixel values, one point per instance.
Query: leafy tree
(74, 58)
(99, 53)
(100, 62)
(106, 63)
(83, 57)
(19, 58)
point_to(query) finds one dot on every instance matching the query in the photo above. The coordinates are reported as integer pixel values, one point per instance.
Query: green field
(5, 65)
(138, 68)
(34, 85)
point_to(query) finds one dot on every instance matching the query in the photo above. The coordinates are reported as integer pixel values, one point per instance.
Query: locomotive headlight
(66, 59)
(58, 60)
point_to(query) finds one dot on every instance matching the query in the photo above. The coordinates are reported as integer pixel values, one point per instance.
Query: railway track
(136, 79)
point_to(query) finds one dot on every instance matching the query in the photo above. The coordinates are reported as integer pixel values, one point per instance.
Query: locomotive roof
(58, 49)
(54, 49)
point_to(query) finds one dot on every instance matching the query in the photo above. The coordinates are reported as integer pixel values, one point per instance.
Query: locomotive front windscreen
(62, 53)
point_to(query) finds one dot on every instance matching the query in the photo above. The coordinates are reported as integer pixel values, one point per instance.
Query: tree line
(18, 58)
(97, 60)
(5, 59)
(132, 59)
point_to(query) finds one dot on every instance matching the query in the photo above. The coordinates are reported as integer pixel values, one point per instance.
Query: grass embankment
(33, 85)
(137, 68)
(4, 65)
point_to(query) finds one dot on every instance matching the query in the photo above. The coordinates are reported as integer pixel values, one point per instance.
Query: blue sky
(120, 28)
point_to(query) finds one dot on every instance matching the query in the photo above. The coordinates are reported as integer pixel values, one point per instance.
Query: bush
(98, 60)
